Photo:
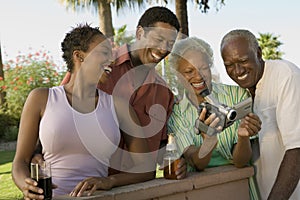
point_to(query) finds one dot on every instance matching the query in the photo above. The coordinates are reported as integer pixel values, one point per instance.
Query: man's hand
(181, 169)
(37, 158)
(249, 126)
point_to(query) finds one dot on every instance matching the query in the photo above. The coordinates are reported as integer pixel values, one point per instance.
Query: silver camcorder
(226, 114)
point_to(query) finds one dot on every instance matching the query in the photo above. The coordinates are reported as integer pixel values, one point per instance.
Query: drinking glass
(41, 173)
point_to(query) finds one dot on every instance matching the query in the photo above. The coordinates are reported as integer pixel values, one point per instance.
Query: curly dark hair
(79, 38)
(158, 14)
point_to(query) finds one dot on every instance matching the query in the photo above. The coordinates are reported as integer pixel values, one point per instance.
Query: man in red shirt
(133, 77)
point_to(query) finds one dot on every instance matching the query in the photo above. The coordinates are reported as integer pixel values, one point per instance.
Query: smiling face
(194, 66)
(243, 64)
(155, 43)
(97, 59)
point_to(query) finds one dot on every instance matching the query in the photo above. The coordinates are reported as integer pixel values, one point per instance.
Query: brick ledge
(162, 187)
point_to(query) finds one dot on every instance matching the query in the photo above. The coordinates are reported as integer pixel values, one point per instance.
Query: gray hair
(247, 35)
(190, 43)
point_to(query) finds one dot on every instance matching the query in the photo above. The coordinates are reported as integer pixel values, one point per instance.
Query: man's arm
(288, 176)
(249, 126)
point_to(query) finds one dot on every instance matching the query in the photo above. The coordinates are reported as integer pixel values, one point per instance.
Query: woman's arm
(191, 156)
(27, 139)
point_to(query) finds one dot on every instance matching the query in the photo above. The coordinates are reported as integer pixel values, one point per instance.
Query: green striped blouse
(183, 117)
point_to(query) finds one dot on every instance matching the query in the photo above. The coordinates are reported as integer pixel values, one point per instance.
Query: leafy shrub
(7, 124)
(11, 133)
(21, 76)
(24, 74)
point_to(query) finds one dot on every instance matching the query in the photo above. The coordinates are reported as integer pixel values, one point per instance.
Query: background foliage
(270, 46)
(21, 75)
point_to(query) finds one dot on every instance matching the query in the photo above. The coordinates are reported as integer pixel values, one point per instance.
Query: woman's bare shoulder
(39, 93)
(38, 97)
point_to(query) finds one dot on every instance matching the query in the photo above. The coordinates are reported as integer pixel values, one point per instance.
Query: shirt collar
(261, 80)
(184, 103)
(121, 55)
(217, 88)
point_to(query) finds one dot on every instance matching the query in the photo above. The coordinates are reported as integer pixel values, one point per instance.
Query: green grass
(159, 173)
(8, 190)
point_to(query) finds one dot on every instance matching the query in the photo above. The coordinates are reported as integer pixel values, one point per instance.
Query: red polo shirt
(151, 99)
(153, 91)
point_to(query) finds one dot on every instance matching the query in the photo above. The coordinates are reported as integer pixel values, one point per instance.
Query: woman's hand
(249, 126)
(91, 184)
(31, 191)
(211, 121)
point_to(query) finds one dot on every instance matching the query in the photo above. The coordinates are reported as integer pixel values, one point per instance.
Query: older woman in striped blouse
(192, 59)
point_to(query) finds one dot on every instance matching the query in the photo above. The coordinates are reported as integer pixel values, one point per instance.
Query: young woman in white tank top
(78, 125)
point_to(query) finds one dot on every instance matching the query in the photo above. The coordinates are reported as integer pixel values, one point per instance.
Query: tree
(2, 94)
(121, 38)
(105, 17)
(181, 12)
(269, 44)
(103, 7)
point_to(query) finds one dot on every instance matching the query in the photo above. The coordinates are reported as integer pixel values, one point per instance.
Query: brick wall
(226, 182)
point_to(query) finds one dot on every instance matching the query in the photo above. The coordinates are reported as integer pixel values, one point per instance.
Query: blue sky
(40, 24)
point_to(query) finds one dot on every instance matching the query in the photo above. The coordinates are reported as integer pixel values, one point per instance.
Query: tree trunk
(105, 18)
(181, 13)
(2, 95)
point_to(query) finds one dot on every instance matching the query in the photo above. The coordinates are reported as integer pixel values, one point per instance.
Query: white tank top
(77, 145)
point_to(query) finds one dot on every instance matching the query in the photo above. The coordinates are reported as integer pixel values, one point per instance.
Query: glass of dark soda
(41, 173)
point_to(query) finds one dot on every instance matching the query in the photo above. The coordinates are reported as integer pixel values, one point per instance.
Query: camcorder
(226, 114)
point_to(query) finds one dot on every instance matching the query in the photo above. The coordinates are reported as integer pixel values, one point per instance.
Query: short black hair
(158, 14)
(79, 38)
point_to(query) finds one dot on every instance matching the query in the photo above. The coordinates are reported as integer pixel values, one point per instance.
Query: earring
(112, 62)
(81, 59)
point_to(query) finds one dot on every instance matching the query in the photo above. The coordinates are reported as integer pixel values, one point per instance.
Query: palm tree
(104, 10)
(105, 17)
(182, 12)
(270, 46)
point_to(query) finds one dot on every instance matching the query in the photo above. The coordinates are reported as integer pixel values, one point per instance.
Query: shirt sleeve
(288, 110)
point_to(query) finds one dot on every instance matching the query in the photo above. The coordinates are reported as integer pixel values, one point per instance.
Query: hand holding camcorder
(226, 114)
